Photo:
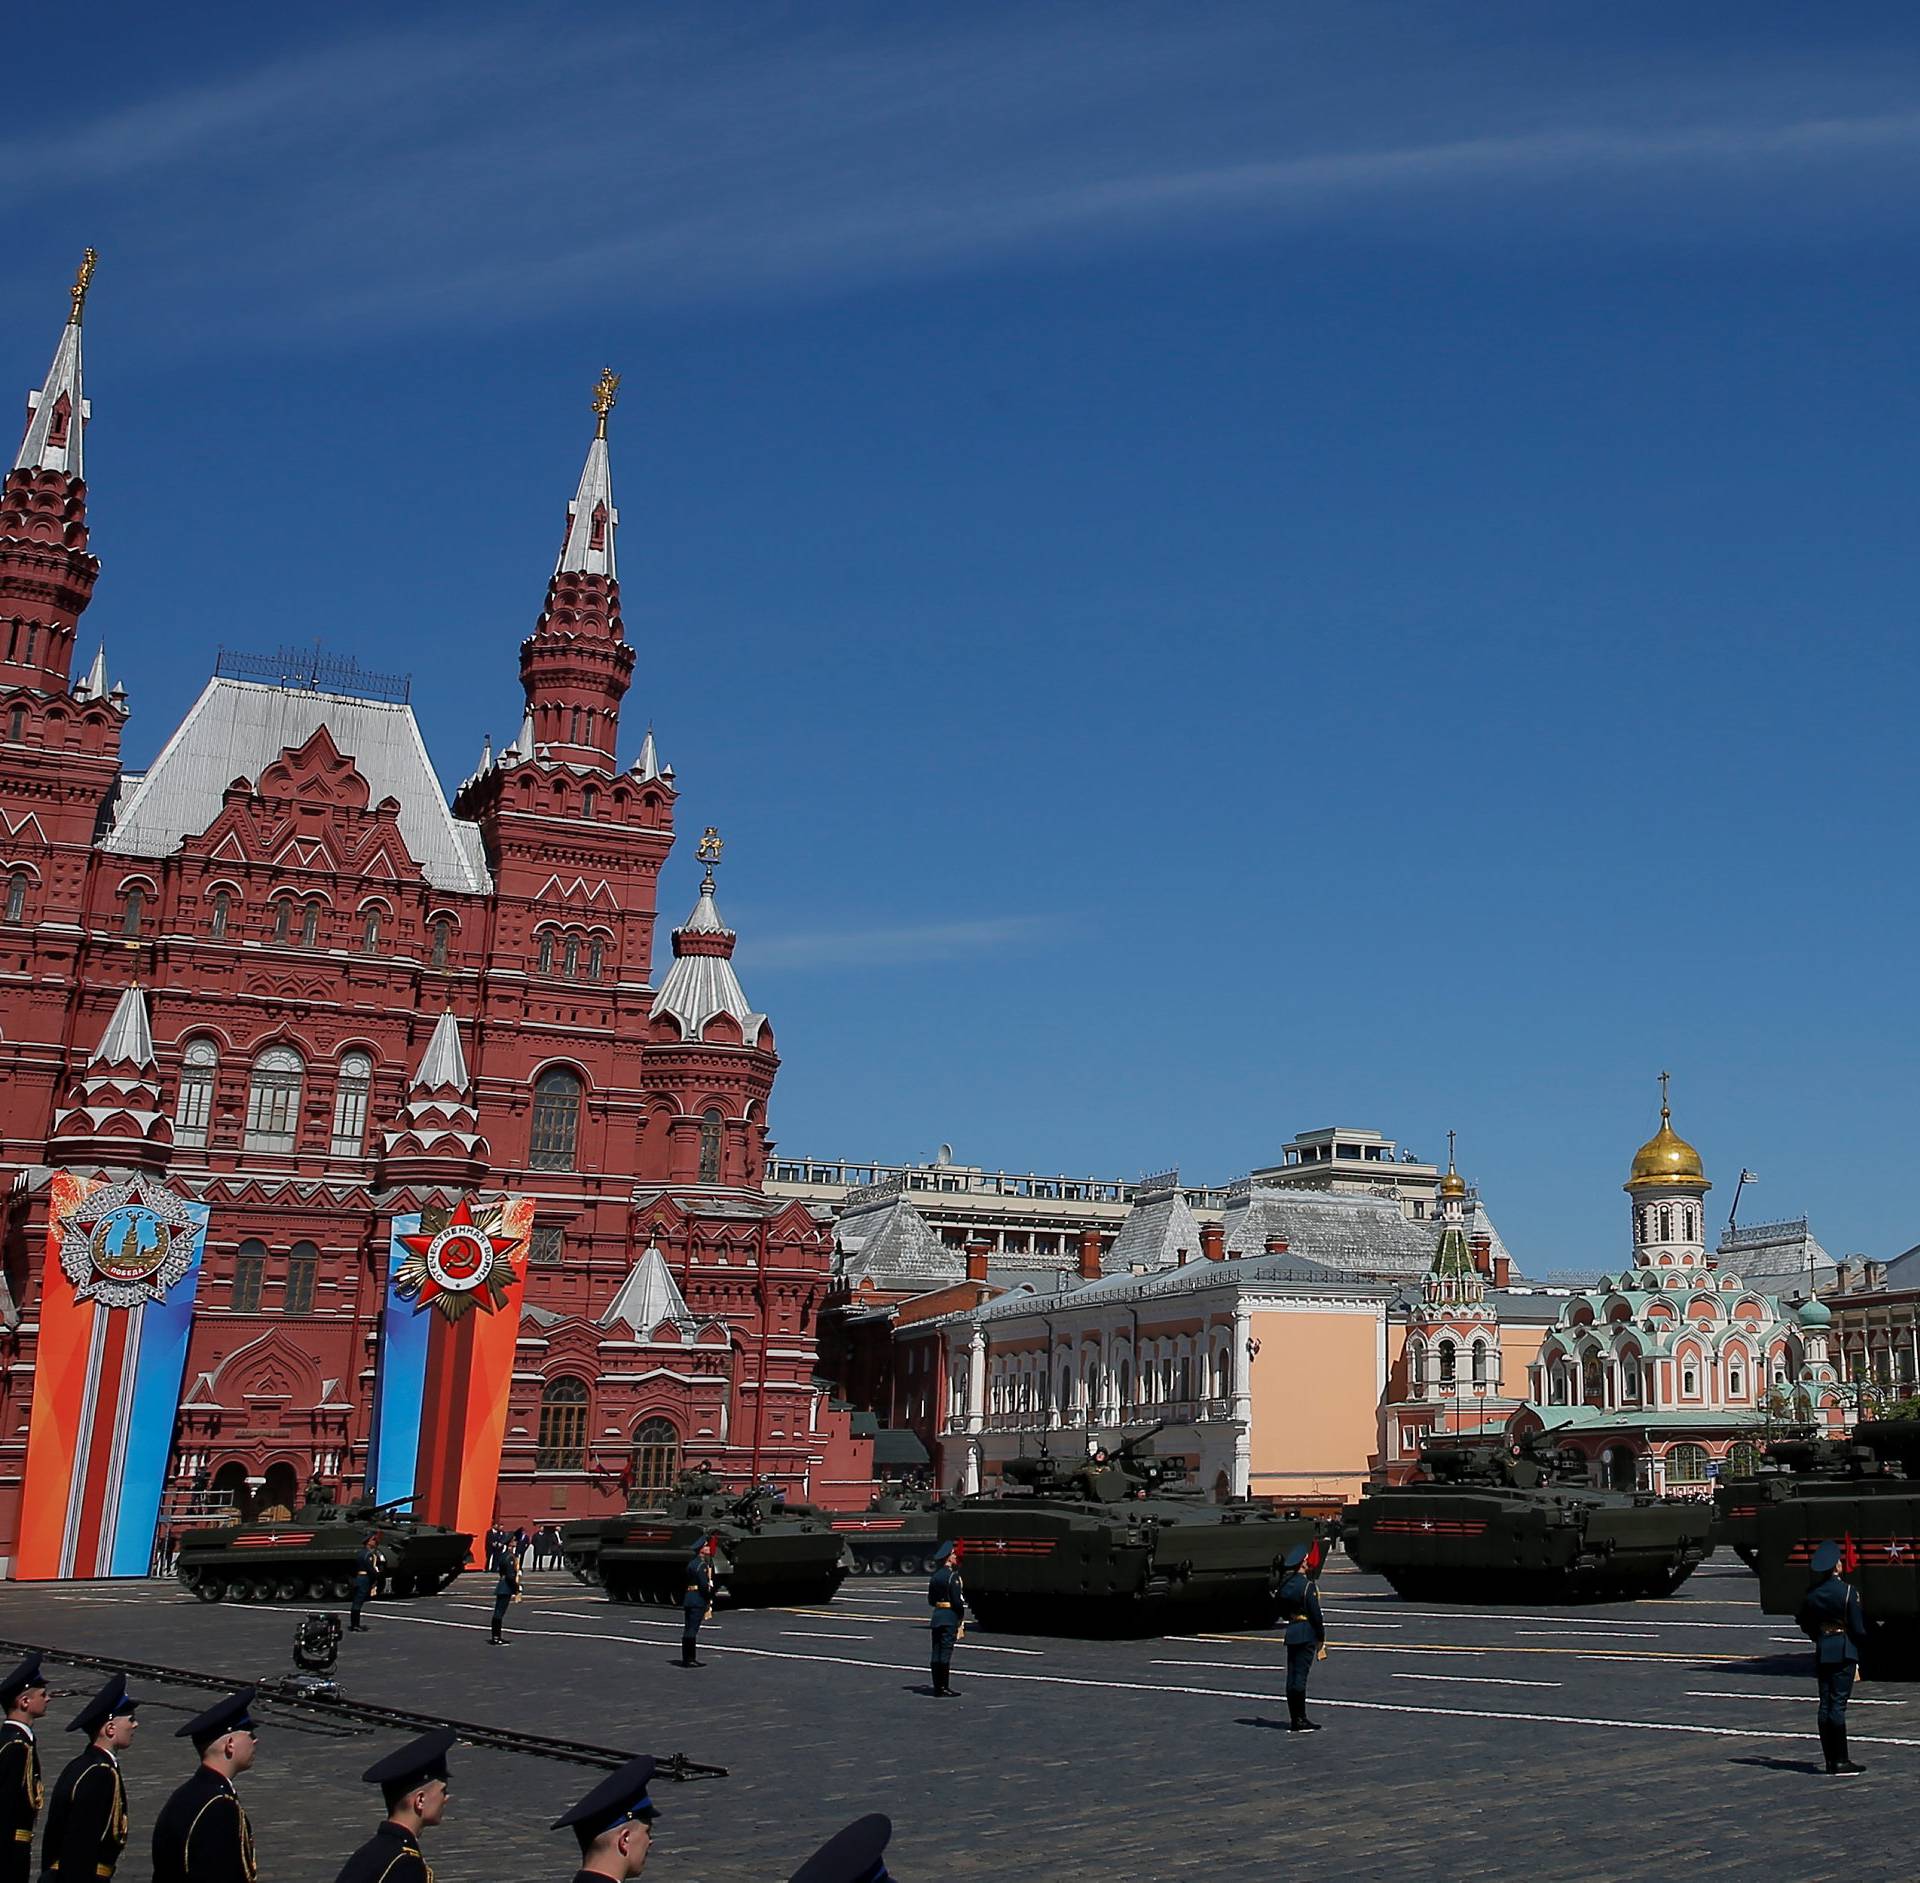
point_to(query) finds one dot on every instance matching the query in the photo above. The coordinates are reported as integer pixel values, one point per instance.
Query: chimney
(1180, 1258)
(1876, 1274)
(1090, 1253)
(1502, 1270)
(1276, 1245)
(1213, 1241)
(1843, 1275)
(1481, 1245)
(977, 1253)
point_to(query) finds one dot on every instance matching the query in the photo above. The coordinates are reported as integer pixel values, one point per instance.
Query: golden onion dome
(1666, 1158)
(1453, 1184)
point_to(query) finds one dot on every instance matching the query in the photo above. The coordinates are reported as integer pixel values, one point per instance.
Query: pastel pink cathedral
(282, 971)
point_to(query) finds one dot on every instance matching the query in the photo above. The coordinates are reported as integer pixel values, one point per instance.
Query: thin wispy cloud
(908, 944)
(496, 168)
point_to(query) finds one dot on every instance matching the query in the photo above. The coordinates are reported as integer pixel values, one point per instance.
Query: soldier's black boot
(1826, 1747)
(1296, 1711)
(1845, 1767)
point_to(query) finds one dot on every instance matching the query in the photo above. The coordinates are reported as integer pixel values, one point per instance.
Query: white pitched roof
(237, 728)
(62, 376)
(595, 493)
(443, 1063)
(128, 1039)
(647, 1297)
(700, 985)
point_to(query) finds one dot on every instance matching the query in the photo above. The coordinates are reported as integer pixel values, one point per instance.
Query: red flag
(1849, 1556)
(1316, 1555)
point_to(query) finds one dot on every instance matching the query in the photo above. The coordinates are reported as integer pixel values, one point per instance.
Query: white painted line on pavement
(1793, 1699)
(819, 1634)
(1480, 1680)
(1559, 1621)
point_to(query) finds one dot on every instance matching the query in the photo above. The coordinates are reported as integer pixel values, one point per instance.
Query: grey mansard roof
(883, 1238)
(1153, 1233)
(237, 728)
(1358, 1235)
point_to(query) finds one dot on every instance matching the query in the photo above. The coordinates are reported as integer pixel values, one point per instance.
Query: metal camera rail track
(294, 1693)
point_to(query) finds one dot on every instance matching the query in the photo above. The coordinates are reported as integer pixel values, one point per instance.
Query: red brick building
(356, 999)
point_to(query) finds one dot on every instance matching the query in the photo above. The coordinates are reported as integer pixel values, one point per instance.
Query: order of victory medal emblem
(127, 1243)
(455, 1262)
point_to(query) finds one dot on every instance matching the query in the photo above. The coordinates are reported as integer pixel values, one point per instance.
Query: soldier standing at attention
(23, 1699)
(614, 1823)
(506, 1591)
(947, 1598)
(366, 1572)
(1306, 1635)
(696, 1603)
(414, 1784)
(87, 1812)
(202, 1834)
(1832, 1618)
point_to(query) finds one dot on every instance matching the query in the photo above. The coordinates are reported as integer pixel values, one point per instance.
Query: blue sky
(1223, 569)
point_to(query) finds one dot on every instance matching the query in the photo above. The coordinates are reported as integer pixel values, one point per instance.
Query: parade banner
(447, 1333)
(118, 1283)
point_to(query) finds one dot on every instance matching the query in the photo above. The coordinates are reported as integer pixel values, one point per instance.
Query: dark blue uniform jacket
(202, 1835)
(1833, 1618)
(946, 1587)
(699, 1593)
(1300, 1610)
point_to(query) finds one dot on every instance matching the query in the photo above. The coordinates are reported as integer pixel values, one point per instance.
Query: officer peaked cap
(109, 1703)
(620, 1796)
(412, 1766)
(1825, 1559)
(850, 1856)
(231, 1715)
(26, 1675)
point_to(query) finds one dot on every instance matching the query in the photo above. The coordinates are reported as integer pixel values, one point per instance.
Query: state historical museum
(286, 1036)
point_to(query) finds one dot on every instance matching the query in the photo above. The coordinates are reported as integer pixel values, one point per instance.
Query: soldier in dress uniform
(696, 1602)
(1306, 1633)
(23, 1699)
(947, 1599)
(414, 1783)
(1832, 1618)
(855, 1855)
(87, 1811)
(202, 1834)
(366, 1572)
(506, 1591)
(614, 1823)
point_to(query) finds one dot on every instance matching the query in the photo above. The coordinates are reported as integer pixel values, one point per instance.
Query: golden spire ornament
(711, 844)
(604, 395)
(81, 283)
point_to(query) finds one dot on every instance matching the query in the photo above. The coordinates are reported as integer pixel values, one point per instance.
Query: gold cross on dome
(604, 395)
(1664, 1077)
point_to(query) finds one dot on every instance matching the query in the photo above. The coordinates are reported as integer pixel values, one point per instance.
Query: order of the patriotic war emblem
(127, 1243)
(455, 1262)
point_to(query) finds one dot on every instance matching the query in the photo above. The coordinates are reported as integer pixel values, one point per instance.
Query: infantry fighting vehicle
(1872, 1510)
(311, 1556)
(896, 1534)
(1494, 1521)
(1113, 1544)
(771, 1550)
(1785, 1465)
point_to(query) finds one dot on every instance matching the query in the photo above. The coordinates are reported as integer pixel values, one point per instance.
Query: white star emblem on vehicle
(1896, 1551)
(1426, 1523)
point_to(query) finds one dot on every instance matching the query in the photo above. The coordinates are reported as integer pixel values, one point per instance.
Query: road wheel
(243, 1589)
(209, 1589)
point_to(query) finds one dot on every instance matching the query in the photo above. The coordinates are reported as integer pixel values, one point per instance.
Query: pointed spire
(444, 1067)
(94, 686)
(58, 412)
(591, 517)
(648, 1297)
(647, 765)
(486, 755)
(702, 982)
(128, 1040)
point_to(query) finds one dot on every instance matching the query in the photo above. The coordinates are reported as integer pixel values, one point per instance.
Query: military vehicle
(1114, 1544)
(1784, 1464)
(311, 1556)
(770, 1550)
(896, 1534)
(1872, 1510)
(1498, 1521)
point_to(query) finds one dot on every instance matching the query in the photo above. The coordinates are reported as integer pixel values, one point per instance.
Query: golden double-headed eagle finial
(604, 395)
(81, 283)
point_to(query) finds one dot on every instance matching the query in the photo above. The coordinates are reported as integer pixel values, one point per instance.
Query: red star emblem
(457, 1265)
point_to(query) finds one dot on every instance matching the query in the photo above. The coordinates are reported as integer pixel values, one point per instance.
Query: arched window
(562, 1444)
(1666, 1223)
(1691, 1222)
(556, 1120)
(282, 918)
(442, 937)
(656, 1457)
(350, 1104)
(17, 723)
(370, 932)
(1630, 1379)
(222, 914)
(303, 1270)
(249, 1271)
(1479, 1363)
(1416, 1364)
(310, 925)
(194, 1105)
(710, 1123)
(596, 958)
(546, 951)
(1736, 1378)
(1446, 1362)
(132, 909)
(1686, 1464)
(570, 961)
(17, 897)
(1592, 1382)
(589, 802)
(1743, 1459)
(1690, 1380)
(273, 1100)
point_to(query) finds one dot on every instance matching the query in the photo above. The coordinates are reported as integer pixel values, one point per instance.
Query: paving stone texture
(1649, 1740)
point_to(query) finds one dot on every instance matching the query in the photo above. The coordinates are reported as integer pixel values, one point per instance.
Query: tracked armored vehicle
(311, 1557)
(895, 1535)
(1503, 1522)
(1785, 1465)
(1112, 1545)
(771, 1550)
(1872, 1510)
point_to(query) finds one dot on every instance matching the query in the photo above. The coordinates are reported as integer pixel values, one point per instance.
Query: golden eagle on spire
(604, 395)
(81, 283)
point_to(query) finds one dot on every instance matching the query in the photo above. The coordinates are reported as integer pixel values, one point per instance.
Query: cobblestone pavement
(1648, 1740)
